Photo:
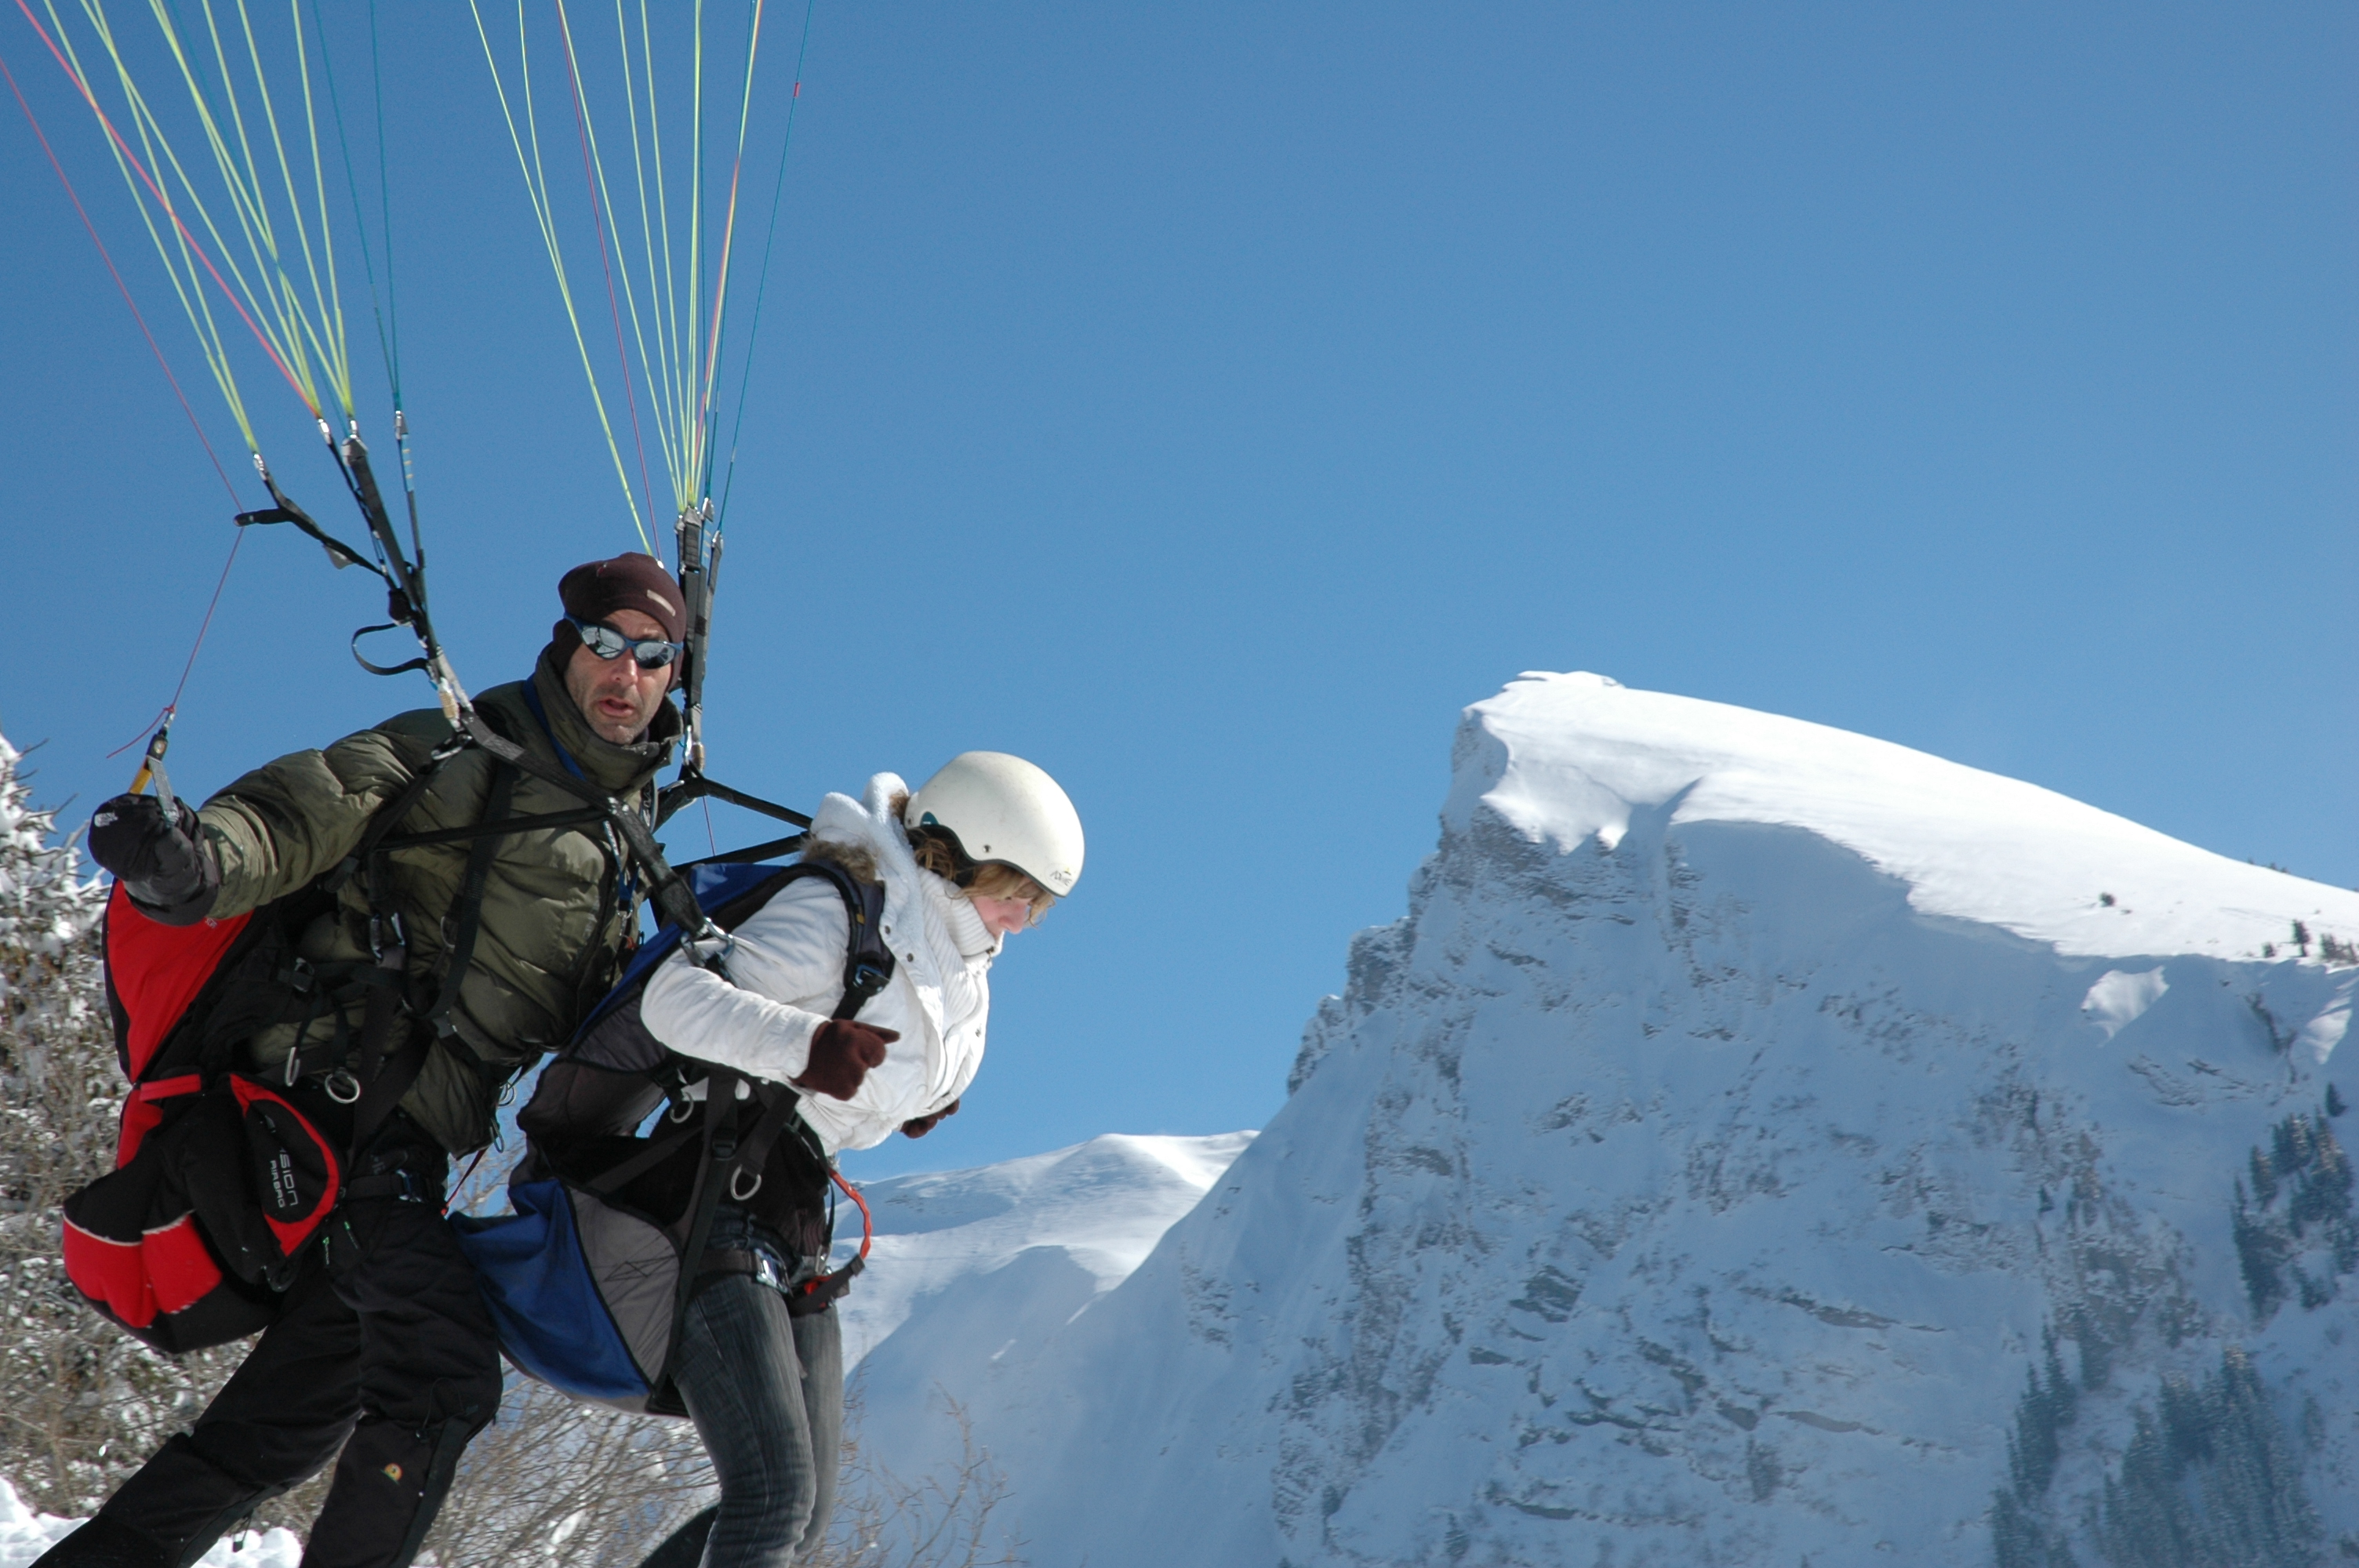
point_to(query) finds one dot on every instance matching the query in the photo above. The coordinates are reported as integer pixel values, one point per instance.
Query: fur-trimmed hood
(786, 961)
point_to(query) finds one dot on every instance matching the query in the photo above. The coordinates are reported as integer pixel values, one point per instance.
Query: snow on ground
(25, 1535)
(1089, 1214)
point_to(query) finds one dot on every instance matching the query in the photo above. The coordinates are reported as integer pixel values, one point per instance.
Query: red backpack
(223, 1180)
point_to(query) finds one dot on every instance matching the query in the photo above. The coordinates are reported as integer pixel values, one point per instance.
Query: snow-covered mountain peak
(1755, 1144)
(1579, 759)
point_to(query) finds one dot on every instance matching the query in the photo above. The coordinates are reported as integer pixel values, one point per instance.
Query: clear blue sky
(1209, 402)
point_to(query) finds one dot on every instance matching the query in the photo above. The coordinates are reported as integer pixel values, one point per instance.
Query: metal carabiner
(342, 1086)
(736, 1196)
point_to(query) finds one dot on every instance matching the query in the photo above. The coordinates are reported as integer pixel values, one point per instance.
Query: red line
(172, 709)
(867, 1225)
(719, 292)
(598, 218)
(133, 160)
(728, 244)
(152, 347)
(146, 730)
(207, 624)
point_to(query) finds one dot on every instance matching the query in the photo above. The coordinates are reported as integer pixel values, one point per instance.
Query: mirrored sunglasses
(652, 652)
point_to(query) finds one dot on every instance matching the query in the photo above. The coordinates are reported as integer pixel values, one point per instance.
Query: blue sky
(1207, 402)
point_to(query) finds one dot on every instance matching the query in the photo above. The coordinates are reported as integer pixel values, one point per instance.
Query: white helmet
(999, 807)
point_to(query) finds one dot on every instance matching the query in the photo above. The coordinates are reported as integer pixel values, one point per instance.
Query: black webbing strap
(329, 984)
(480, 856)
(610, 1181)
(720, 1158)
(393, 1075)
(667, 889)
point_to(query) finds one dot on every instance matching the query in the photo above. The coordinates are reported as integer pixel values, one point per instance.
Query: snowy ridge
(1570, 758)
(1755, 1145)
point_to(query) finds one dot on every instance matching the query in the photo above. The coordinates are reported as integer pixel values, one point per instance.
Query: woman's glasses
(652, 652)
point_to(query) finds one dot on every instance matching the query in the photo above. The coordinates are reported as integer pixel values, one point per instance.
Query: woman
(977, 855)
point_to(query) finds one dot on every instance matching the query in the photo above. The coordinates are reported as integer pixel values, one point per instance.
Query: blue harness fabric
(588, 1278)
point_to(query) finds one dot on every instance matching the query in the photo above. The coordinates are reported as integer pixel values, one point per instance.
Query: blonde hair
(936, 853)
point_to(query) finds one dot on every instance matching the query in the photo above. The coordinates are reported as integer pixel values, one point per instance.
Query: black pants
(385, 1350)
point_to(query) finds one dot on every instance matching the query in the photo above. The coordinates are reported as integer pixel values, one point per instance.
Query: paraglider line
(172, 709)
(161, 362)
(598, 217)
(762, 284)
(148, 181)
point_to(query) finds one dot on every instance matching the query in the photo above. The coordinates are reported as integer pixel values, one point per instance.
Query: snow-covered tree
(80, 1402)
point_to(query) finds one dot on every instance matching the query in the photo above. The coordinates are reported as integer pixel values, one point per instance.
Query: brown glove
(840, 1055)
(919, 1125)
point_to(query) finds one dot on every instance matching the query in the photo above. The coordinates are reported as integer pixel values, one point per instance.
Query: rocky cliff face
(1754, 1146)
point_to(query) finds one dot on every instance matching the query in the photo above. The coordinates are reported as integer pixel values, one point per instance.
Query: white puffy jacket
(785, 977)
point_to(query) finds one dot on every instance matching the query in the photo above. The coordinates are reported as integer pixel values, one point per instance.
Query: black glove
(164, 865)
(919, 1125)
(840, 1055)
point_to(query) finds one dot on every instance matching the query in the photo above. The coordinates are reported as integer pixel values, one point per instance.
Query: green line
(285, 335)
(655, 368)
(706, 413)
(154, 138)
(695, 240)
(319, 194)
(536, 192)
(385, 227)
(196, 310)
(360, 222)
(598, 171)
(762, 284)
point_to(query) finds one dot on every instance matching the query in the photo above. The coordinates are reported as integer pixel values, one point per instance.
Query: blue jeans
(766, 1391)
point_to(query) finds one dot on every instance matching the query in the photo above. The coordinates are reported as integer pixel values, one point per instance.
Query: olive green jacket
(553, 921)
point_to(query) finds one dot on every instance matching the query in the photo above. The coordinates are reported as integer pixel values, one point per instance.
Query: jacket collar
(960, 918)
(616, 768)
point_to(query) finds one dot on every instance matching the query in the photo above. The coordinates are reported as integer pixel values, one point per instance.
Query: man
(384, 1350)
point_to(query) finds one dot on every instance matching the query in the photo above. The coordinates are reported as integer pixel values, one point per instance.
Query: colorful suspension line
(667, 335)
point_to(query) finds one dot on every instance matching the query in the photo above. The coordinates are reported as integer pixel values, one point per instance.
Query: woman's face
(1004, 916)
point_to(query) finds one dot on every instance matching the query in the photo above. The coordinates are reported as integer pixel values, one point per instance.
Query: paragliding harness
(590, 1280)
(222, 1180)
(225, 1178)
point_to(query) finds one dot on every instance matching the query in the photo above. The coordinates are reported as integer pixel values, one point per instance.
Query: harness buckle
(378, 926)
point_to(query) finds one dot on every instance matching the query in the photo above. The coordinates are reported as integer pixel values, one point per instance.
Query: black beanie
(595, 590)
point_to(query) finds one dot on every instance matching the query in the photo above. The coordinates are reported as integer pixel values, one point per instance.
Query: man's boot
(182, 1502)
(101, 1542)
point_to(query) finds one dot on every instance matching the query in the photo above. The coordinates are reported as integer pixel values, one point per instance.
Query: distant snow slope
(971, 1261)
(1757, 1145)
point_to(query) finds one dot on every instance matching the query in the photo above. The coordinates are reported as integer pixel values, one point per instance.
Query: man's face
(617, 696)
